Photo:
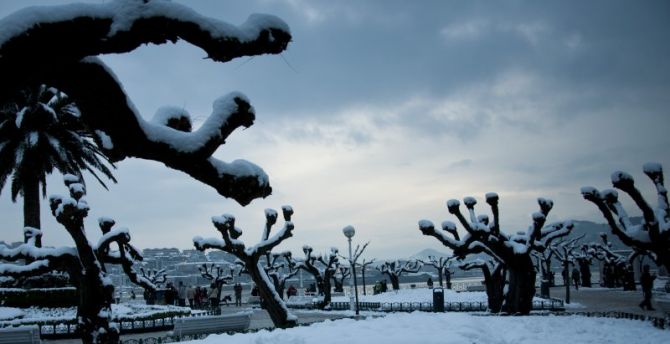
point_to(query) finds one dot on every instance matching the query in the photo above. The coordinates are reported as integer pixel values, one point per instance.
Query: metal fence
(543, 305)
(61, 329)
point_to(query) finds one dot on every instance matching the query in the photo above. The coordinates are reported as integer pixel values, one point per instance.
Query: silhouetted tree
(59, 45)
(513, 250)
(39, 133)
(363, 266)
(441, 264)
(394, 269)
(85, 263)
(250, 256)
(322, 268)
(652, 236)
(494, 280)
(216, 275)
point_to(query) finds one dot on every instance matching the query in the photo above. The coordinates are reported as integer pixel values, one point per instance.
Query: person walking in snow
(430, 283)
(647, 283)
(238, 294)
(575, 277)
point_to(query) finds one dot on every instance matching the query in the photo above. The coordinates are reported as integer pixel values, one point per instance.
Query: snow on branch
(653, 234)
(248, 257)
(484, 236)
(82, 31)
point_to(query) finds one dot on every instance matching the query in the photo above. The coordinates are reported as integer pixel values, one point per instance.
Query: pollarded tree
(85, 263)
(59, 45)
(322, 268)
(617, 268)
(155, 276)
(281, 271)
(494, 280)
(441, 264)
(652, 236)
(394, 269)
(339, 277)
(564, 253)
(39, 133)
(250, 256)
(514, 251)
(216, 275)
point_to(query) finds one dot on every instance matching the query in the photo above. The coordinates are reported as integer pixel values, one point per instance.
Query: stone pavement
(604, 300)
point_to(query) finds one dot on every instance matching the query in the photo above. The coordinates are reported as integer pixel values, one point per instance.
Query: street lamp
(349, 232)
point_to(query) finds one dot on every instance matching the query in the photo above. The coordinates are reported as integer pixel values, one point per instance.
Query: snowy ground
(418, 295)
(428, 328)
(11, 315)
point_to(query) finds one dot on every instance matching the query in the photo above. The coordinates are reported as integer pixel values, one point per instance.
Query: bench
(20, 335)
(211, 324)
(254, 300)
(475, 288)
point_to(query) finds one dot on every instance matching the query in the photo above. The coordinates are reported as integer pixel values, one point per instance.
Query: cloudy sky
(380, 111)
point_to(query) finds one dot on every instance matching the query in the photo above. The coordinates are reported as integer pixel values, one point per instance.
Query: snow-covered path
(445, 328)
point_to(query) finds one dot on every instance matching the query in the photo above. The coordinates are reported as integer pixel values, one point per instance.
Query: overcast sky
(381, 111)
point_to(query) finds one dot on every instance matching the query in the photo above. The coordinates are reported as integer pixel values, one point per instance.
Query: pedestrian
(575, 277)
(132, 295)
(291, 291)
(190, 295)
(238, 294)
(430, 283)
(213, 296)
(169, 295)
(181, 293)
(646, 282)
(385, 286)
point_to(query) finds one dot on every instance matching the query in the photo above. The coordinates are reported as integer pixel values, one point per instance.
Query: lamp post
(349, 232)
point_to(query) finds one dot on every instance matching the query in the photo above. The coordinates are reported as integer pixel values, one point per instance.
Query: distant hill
(592, 230)
(423, 254)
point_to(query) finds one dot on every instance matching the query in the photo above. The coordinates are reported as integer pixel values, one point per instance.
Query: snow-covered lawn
(428, 328)
(419, 295)
(15, 316)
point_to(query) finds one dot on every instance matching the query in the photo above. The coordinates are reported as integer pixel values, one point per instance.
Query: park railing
(538, 305)
(64, 329)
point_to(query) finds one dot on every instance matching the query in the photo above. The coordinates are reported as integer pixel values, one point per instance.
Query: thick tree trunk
(585, 272)
(31, 205)
(95, 309)
(521, 288)
(275, 308)
(363, 275)
(495, 284)
(326, 292)
(395, 281)
(439, 275)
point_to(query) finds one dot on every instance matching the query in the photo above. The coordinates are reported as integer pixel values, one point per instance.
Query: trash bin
(438, 299)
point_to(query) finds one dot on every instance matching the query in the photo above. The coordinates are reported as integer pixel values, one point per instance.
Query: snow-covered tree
(250, 258)
(617, 269)
(41, 132)
(494, 280)
(652, 236)
(338, 279)
(85, 263)
(216, 275)
(322, 268)
(394, 269)
(59, 45)
(513, 250)
(155, 276)
(564, 253)
(280, 271)
(442, 265)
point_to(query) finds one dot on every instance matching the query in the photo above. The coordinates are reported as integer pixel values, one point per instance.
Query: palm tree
(39, 132)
